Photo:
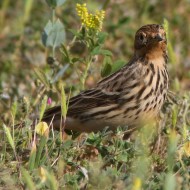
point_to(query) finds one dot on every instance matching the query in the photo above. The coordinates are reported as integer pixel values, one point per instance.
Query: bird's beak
(159, 38)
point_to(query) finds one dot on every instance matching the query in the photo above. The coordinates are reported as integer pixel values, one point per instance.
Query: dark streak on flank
(126, 116)
(149, 94)
(152, 68)
(112, 116)
(122, 102)
(166, 77)
(146, 106)
(138, 111)
(150, 109)
(145, 109)
(158, 79)
(161, 88)
(150, 81)
(147, 71)
(163, 73)
(139, 94)
(155, 105)
(164, 96)
(131, 108)
(165, 57)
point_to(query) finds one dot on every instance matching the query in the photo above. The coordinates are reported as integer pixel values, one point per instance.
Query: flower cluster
(90, 20)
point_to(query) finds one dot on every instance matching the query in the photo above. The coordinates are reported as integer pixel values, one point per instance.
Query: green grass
(155, 158)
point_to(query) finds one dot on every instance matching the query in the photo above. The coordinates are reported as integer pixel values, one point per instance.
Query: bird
(133, 94)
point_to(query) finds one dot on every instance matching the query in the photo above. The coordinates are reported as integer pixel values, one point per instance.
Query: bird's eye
(141, 37)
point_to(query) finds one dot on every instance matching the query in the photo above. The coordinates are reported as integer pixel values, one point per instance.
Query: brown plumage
(134, 93)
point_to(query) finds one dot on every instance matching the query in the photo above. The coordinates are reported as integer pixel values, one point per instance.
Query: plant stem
(4, 9)
(105, 4)
(53, 15)
(86, 72)
(53, 20)
(74, 38)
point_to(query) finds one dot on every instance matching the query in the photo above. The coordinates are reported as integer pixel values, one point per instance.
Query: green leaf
(166, 27)
(65, 52)
(75, 33)
(9, 137)
(107, 66)
(98, 51)
(27, 9)
(32, 158)
(122, 157)
(14, 109)
(106, 52)
(27, 179)
(51, 3)
(52, 182)
(43, 106)
(54, 34)
(124, 20)
(63, 103)
(171, 52)
(40, 148)
(102, 37)
(55, 3)
(170, 182)
(118, 65)
(174, 116)
(60, 2)
(42, 77)
(76, 59)
(60, 73)
(172, 147)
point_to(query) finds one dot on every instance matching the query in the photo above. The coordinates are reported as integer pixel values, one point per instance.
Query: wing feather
(107, 92)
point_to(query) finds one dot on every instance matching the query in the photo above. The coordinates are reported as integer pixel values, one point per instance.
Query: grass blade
(9, 137)
(27, 179)
(43, 107)
(32, 158)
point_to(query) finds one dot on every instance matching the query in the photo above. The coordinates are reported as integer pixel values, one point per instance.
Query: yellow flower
(42, 174)
(186, 148)
(93, 21)
(42, 128)
(137, 184)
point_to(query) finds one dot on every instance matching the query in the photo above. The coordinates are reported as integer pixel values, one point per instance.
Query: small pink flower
(49, 101)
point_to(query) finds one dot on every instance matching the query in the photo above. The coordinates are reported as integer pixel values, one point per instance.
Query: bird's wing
(107, 92)
(83, 102)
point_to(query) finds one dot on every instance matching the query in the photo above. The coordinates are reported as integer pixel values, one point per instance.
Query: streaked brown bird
(134, 93)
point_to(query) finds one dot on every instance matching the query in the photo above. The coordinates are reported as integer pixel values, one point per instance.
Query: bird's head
(150, 39)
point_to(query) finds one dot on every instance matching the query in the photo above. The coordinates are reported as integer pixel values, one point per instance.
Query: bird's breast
(146, 99)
